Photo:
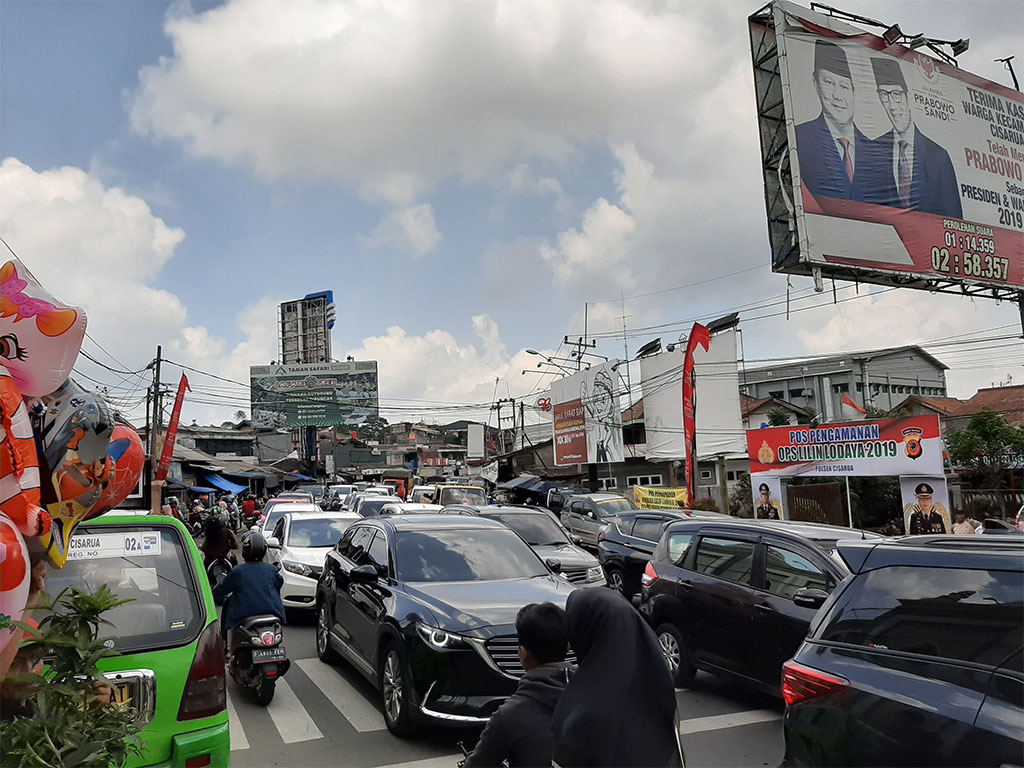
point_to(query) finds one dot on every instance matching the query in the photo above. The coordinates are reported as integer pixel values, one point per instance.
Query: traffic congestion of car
(847, 627)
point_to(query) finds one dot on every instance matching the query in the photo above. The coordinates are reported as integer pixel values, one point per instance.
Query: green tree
(986, 448)
(741, 502)
(778, 417)
(72, 728)
(373, 430)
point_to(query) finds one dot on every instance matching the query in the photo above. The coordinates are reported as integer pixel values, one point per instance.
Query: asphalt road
(325, 715)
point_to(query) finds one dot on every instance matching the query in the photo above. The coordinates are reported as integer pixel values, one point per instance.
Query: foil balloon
(74, 428)
(128, 457)
(15, 578)
(41, 335)
(19, 463)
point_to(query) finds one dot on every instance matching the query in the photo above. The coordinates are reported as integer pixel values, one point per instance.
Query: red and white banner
(910, 446)
(172, 431)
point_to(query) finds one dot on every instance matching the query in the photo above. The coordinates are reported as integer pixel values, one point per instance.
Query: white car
(279, 510)
(421, 493)
(298, 544)
(406, 508)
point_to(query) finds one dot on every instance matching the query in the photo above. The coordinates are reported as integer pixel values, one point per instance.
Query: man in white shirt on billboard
(836, 159)
(920, 174)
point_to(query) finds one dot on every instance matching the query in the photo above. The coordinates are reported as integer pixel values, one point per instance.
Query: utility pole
(154, 460)
(723, 485)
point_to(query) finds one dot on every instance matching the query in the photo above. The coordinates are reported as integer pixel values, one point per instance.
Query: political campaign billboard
(313, 394)
(587, 423)
(884, 164)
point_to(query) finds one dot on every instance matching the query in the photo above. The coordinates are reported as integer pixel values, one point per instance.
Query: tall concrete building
(306, 329)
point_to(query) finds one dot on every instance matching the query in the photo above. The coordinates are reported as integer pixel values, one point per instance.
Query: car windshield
(314, 490)
(467, 495)
(613, 507)
(148, 565)
(316, 533)
(371, 506)
(464, 555)
(280, 510)
(538, 529)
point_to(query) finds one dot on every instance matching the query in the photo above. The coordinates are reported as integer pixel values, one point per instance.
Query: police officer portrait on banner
(919, 175)
(767, 508)
(836, 159)
(925, 516)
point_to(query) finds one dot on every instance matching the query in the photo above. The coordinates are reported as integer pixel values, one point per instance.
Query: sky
(471, 179)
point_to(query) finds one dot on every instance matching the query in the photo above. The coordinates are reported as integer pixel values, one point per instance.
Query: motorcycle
(258, 658)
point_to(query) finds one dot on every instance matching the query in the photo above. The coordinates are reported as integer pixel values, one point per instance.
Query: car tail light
(600, 536)
(800, 683)
(198, 762)
(205, 692)
(650, 575)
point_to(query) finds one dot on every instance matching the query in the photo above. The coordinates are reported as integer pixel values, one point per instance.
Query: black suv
(736, 597)
(542, 531)
(916, 659)
(425, 606)
(625, 546)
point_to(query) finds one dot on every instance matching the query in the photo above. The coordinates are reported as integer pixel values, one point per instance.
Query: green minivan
(170, 661)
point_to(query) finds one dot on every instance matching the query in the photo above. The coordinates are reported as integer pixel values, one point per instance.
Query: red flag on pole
(172, 431)
(699, 335)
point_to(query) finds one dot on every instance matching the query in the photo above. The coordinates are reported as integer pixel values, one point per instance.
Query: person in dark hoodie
(619, 709)
(520, 731)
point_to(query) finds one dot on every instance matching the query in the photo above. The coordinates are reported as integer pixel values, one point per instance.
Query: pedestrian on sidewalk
(520, 731)
(619, 709)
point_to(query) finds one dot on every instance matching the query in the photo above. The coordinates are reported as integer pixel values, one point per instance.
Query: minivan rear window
(969, 615)
(151, 566)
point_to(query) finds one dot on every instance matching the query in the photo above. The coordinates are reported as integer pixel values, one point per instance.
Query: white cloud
(103, 249)
(411, 229)
(424, 376)
(895, 318)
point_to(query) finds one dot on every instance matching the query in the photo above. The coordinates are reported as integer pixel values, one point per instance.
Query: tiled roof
(1009, 401)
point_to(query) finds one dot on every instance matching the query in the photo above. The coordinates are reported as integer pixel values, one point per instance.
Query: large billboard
(314, 394)
(908, 446)
(587, 423)
(884, 164)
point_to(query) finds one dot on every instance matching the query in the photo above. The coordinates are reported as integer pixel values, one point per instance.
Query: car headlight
(438, 638)
(595, 573)
(298, 568)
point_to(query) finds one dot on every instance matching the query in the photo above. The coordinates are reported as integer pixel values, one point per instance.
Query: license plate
(263, 655)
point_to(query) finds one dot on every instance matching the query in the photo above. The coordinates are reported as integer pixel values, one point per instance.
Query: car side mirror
(553, 565)
(577, 540)
(273, 542)
(364, 574)
(810, 597)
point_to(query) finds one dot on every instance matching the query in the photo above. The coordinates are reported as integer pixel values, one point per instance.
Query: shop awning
(523, 483)
(225, 485)
(201, 489)
(297, 476)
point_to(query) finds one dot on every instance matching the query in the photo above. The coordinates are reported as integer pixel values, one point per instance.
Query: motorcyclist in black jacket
(520, 731)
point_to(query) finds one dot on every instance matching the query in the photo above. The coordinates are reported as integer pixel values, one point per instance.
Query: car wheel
(678, 660)
(616, 581)
(324, 651)
(394, 689)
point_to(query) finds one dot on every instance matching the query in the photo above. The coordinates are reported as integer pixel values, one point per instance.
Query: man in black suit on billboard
(836, 159)
(919, 174)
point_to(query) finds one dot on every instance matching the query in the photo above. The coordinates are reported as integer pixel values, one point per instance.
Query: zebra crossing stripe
(354, 707)
(290, 717)
(238, 740)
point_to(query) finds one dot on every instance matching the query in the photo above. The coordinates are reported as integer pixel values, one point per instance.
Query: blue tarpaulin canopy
(225, 484)
(297, 476)
(201, 489)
